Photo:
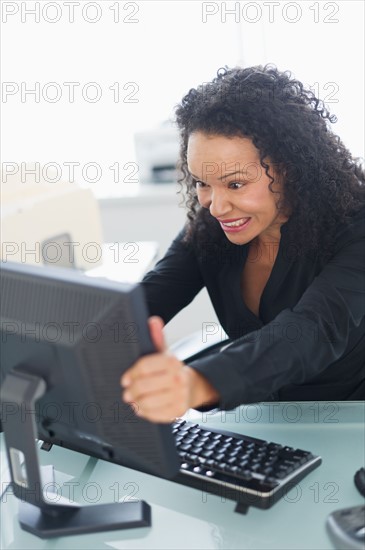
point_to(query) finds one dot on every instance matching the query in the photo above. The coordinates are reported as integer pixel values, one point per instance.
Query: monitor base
(84, 519)
(37, 514)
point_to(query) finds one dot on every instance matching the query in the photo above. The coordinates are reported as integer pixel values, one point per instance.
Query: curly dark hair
(323, 184)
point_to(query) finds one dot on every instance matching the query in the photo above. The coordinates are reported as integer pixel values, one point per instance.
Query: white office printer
(49, 223)
(157, 152)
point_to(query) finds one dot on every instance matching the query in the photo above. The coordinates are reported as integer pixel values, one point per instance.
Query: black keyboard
(251, 471)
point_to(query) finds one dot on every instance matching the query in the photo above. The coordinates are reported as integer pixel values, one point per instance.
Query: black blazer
(308, 342)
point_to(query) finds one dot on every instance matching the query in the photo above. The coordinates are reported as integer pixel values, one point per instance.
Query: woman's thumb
(156, 325)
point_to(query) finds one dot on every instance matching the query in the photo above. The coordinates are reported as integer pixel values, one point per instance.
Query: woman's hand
(160, 386)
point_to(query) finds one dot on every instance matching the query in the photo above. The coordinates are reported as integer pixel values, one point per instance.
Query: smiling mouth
(236, 223)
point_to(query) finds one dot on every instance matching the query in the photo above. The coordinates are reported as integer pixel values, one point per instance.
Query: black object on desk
(66, 341)
(251, 471)
(346, 528)
(359, 480)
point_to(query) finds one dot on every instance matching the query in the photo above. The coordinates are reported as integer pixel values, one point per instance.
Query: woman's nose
(219, 206)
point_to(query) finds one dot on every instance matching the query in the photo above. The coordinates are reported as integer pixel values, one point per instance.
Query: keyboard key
(179, 422)
(279, 474)
(184, 429)
(244, 457)
(221, 449)
(189, 439)
(210, 446)
(274, 446)
(219, 456)
(302, 456)
(244, 474)
(235, 452)
(199, 443)
(193, 459)
(196, 450)
(207, 454)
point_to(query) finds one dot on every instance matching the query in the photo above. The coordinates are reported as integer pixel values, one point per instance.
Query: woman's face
(233, 185)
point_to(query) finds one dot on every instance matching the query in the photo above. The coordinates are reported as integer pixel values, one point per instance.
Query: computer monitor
(66, 340)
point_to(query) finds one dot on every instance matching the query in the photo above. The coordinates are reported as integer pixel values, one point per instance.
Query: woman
(275, 231)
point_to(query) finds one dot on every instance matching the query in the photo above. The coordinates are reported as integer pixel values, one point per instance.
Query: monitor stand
(40, 516)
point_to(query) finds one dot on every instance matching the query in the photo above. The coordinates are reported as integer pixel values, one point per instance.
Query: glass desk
(184, 518)
(126, 262)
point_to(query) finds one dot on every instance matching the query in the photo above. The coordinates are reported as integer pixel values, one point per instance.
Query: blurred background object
(157, 152)
(57, 224)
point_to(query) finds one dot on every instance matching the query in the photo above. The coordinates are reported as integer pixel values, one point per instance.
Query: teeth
(237, 223)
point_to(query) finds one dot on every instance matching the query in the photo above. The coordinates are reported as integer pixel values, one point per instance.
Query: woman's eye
(233, 185)
(236, 185)
(199, 184)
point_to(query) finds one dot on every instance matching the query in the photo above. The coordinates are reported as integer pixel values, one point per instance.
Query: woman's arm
(174, 281)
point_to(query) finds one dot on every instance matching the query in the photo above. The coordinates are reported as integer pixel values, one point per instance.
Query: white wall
(152, 54)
